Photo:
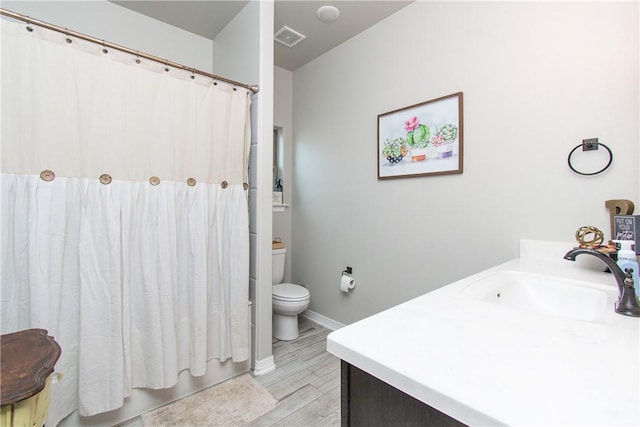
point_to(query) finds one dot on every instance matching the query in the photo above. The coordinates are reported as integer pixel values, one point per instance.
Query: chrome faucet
(627, 303)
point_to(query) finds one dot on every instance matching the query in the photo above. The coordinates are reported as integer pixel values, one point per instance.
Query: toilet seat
(289, 292)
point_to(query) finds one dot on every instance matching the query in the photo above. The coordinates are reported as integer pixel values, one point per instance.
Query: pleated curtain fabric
(145, 273)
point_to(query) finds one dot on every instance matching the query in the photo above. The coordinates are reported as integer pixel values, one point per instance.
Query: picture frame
(422, 139)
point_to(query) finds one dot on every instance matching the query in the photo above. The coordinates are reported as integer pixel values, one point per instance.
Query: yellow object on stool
(28, 412)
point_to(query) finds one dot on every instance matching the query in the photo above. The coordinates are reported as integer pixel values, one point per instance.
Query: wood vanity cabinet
(368, 401)
(27, 359)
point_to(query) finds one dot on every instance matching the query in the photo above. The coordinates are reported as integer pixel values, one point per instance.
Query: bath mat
(235, 402)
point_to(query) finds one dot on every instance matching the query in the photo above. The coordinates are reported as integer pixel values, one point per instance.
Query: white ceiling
(207, 18)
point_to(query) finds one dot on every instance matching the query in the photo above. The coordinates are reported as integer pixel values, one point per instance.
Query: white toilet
(289, 300)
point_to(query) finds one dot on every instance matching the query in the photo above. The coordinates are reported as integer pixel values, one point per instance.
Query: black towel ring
(589, 146)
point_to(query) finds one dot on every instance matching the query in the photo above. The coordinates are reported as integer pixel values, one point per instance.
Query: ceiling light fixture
(328, 13)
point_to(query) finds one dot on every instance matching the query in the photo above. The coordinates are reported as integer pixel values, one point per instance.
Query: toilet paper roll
(347, 283)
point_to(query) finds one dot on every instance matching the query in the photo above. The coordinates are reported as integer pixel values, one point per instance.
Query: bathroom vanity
(533, 341)
(368, 401)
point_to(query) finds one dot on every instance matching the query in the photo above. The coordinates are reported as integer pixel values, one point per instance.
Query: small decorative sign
(422, 139)
(626, 227)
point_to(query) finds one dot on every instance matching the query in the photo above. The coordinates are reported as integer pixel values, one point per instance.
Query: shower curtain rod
(28, 20)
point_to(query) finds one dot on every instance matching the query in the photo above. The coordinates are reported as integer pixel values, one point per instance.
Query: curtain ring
(66, 33)
(245, 186)
(224, 184)
(104, 48)
(154, 180)
(166, 65)
(191, 182)
(584, 148)
(29, 27)
(137, 56)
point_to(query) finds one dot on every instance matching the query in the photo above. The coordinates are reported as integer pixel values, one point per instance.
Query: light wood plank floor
(306, 381)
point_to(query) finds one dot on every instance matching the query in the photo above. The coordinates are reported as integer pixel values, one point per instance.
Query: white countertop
(484, 364)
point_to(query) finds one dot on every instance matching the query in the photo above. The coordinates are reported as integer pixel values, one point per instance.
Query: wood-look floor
(306, 381)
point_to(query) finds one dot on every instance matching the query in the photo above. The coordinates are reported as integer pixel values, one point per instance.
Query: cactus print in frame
(422, 139)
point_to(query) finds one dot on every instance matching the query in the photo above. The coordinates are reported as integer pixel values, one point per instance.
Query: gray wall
(116, 24)
(537, 78)
(236, 49)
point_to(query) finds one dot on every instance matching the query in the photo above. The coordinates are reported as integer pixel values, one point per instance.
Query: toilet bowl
(288, 300)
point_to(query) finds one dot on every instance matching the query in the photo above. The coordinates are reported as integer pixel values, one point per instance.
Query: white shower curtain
(136, 281)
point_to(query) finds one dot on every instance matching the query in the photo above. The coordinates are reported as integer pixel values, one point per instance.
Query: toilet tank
(277, 265)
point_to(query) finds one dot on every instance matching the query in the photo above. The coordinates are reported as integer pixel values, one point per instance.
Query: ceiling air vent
(288, 37)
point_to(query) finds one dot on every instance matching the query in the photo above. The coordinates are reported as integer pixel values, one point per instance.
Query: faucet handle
(627, 303)
(628, 277)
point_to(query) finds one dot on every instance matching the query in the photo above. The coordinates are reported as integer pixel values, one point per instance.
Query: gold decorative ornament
(589, 237)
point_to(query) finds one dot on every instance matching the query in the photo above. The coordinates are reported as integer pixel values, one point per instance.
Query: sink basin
(543, 295)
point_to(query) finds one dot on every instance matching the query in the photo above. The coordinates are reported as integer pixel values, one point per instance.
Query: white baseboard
(264, 366)
(322, 320)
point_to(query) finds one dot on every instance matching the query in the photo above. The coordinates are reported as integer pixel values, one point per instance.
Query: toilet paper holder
(347, 282)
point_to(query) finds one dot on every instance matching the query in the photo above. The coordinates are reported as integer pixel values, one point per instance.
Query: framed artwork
(422, 139)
